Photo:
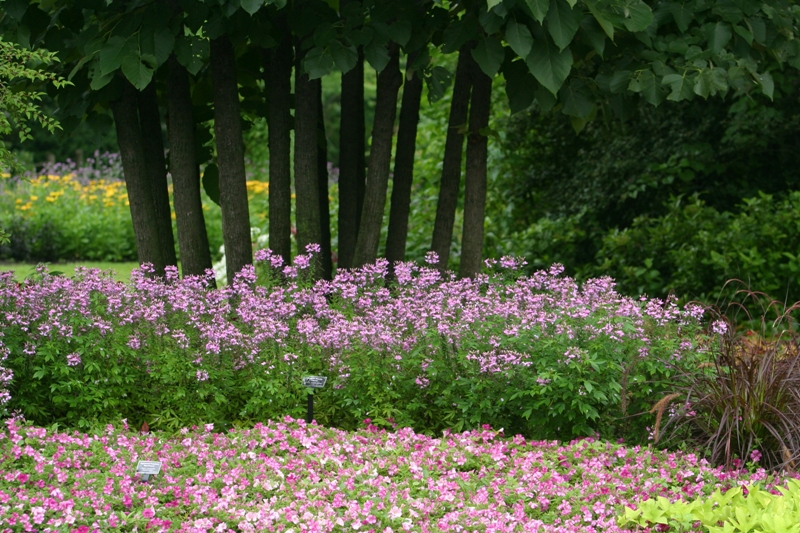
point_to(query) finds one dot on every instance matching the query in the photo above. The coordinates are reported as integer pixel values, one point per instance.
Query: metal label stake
(147, 469)
(312, 382)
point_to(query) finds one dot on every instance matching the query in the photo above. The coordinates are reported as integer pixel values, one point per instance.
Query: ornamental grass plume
(748, 398)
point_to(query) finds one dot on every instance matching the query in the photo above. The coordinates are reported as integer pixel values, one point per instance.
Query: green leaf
(400, 32)
(640, 16)
(438, 82)
(251, 6)
(576, 102)
(645, 83)
(519, 38)
(345, 57)
(766, 82)
(562, 23)
(601, 19)
(594, 34)
(520, 86)
(112, 53)
(191, 52)
(317, 63)
(211, 182)
(759, 29)
(139, 69)
(619, 81)
(16, 8)
(376, 55)
(489, 55)
(682, 86)
(491, 3)
(719, 35)
(682, 14)
(458, 33)
(539, 8)
(549, 66)
(164, 44)
(744, 33)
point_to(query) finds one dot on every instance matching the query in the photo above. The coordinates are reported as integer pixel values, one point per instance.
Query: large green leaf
(710, 82)
(639, 16)
(192, 52)
(139, 69)
(619, 81)
(489, 54)
(317, 63)
(601, 19)
(682, 13)
(767, 84)
(681, 85)
(438, 81)
(113, 52)
(251, 6)
(576, 102)
(459, 32)
(211, 182)
(719, 35)
(520, 86)
(519, 38)
(562, 23)
(400, 32)
(345, 57)
(164, 44)
(548, 65)
(376, 55)
(539, 8)
(645, 83)
(594, 34)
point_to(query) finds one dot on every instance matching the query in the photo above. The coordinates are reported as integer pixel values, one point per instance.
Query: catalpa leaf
(345, 57)
(576, 102)
(491, 3)
(682, 14)
(548, 65)
(682, 86)
(489, 55)
(719, 35)
(539, 8)
(562, 23)
(251, 6)
(767, 84)
(400, 32)
(458, 33)
(520, 86)
(519, 38)
(438, 82)
(376, 55)
(645, 83)
(112, 53)
(601, 19)
(639, 16)
(317, 63)
(164, 44)
(139, 69)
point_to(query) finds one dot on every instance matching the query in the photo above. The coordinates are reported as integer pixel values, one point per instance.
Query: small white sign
(314, 382)
(148, 467)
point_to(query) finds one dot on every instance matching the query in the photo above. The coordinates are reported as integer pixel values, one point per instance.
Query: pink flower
(755, 456)
(149, 512)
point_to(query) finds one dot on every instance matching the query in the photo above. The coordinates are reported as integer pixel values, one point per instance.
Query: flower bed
(291, 478)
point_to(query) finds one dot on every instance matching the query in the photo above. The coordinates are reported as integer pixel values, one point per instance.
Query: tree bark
(404, 167)
(278, 79)
(352, 166)
(137, 182)
(322, 182)
(153, 143)
(475, 180)
(306, 172)
(230, 158)
(451, 165)
(380, 157)
(192, 236)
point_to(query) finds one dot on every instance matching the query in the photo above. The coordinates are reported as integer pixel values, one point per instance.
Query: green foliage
(20, 71)
(694, 248)
(738, 510)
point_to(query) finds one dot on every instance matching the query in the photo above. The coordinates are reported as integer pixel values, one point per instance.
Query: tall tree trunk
(153, 143)
(322, 181)
(351, 161)
(380, 158)
(278, 79)
(230, 158)
(451, 165)
(192, 236)
(137, 179)
(475, 180)
(404, 167)
(306, 181)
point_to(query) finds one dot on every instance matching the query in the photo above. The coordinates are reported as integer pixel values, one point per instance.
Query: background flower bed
(288, 476)
(539, 355)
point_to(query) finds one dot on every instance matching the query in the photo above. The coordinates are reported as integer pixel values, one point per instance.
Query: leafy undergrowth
(293, 478)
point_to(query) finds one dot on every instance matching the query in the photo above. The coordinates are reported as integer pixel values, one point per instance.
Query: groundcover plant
(538, 355)
(291, 477)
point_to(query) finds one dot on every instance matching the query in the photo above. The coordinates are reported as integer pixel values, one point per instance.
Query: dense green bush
(694, 249)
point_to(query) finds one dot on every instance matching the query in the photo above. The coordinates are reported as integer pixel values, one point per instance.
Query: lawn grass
(122, 271)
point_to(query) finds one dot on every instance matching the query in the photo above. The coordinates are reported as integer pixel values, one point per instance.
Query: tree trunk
(153, 143)
(380, 157)
(351, 161)
(404, 167)
(192, 236)
(451, 165)
(322, 181)
(137, 179)
(306, 171)
(230, 158)
(278, 79)
(475, 180)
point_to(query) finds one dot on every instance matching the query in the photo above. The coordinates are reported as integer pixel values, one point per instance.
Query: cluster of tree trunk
(363, 183)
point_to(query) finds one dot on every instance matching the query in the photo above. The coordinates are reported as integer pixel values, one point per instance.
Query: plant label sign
(148, 468)
(314, 382)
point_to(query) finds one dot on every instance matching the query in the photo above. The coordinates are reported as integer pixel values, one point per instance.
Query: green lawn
(122, 271)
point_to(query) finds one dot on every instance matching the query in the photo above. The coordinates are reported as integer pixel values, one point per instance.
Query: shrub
(747, 399)
(539, 355)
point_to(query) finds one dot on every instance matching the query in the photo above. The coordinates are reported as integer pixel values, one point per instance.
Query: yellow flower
(34, 198)
(18, 201)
